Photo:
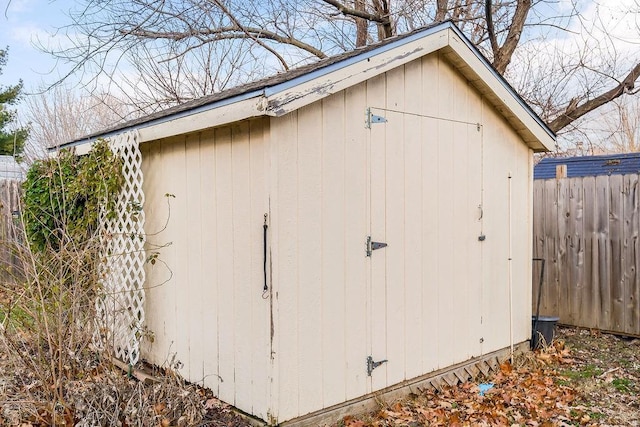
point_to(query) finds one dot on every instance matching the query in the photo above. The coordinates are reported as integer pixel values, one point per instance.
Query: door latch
(371, 365)
(372, 246)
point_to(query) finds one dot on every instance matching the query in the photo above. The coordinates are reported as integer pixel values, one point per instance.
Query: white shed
(415, 143)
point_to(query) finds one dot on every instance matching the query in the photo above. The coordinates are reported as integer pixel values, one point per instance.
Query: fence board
(616, 263)
(539, 242)
(562, 266)
(629, 249)
(576, 249)
(550, 293)
(589, 297)
(10, 233)
(587, 229)
(634, 296)
(604, 250)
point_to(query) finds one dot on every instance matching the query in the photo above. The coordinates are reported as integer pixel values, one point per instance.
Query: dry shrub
(55, 364)
(48, 326)
(53, 373)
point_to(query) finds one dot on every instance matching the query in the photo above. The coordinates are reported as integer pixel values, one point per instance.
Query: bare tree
(61, 115)
(171, 44)
(160, 80)
(620, 127)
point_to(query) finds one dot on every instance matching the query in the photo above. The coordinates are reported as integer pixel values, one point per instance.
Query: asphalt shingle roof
(610, 164)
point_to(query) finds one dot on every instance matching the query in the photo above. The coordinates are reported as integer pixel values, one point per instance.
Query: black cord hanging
(265, 289)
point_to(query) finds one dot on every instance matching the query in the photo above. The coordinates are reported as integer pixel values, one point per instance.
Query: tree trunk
(502, 54)
(441, 10)
(385, 29)
(361, 25)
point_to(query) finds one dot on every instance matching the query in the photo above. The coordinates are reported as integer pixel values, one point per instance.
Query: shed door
(426, 285)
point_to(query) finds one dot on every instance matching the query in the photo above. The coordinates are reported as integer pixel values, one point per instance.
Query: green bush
(65, 196)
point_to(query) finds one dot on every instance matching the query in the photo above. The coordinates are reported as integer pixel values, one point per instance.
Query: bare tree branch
(181, 49)
(357, 13)
(491, 31)
(225, 33)
(574, 111)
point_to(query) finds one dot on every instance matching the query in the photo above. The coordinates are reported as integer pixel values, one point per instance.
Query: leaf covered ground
(604, 370)
(523, 393)
(585, 378)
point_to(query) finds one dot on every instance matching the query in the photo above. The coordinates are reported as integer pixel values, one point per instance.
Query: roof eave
(475, 67)
(282, 98)
(241, 107)
(304, 90)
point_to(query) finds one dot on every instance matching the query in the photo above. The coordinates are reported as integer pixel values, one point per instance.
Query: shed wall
(204, 293)
(437, 295)
(318, 231)
(428, 182)
(507, 224)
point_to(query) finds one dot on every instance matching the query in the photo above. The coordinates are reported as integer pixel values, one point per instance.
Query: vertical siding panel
(333, 250)
(260, 325)
(275, 334)
(177, 329)
(430, 216)
(285, 140)
(617, 263)
(242, 224)
(225, 264)
(210, 298)
(156, 274)
(522, 243)
(193, 310)
(377, 318)
(357, 345)
(445, 225)
(520, 239)
(531, 162)
(493, 287)
(395, 225)
(413, 231)
(497, 162)
(309, 281)
(461, 215)
(474, 201)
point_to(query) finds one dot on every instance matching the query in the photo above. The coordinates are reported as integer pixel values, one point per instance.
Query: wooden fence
(10, 232)
(587, 231)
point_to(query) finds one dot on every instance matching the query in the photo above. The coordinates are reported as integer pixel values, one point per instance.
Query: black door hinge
(372, 246)
(371, 365)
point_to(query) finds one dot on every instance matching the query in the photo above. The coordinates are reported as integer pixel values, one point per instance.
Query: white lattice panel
(121, 305)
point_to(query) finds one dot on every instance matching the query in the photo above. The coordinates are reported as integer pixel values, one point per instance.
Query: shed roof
(609, 164)
(288, 91)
